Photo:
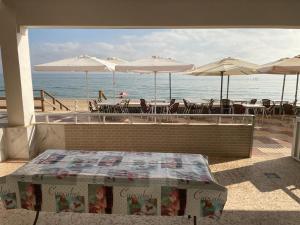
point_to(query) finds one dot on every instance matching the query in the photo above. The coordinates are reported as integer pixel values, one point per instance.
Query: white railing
(135, 118)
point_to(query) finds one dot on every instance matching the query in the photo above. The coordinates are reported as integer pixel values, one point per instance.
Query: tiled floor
(264, 189)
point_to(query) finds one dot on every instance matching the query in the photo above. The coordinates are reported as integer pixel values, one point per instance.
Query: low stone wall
(224, 140)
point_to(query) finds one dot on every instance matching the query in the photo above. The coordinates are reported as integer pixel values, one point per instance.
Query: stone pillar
(17, 77)
(19, 133)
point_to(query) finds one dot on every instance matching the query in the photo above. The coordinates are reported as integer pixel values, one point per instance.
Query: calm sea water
(72, 85)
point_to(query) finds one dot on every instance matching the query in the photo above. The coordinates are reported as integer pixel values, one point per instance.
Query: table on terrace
(255, 108)
(127, 183)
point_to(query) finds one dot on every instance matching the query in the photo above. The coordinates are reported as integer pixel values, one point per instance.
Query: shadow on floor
(229, 217)
(282, 173)
(233, 217)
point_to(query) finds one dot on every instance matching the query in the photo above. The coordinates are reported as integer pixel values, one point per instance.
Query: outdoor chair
(95, 103)
(269, 111)
(266, 102)
(253, 102)
(93, 107)
(125, 106)
(211, 106)
(225, 106)
(174, 108)
(144, 107)
(207, 108)
(122, 107)
(269, 108)
(200, 108)
(189, 107)
(172, 101)
(238, 109)
(288, 110)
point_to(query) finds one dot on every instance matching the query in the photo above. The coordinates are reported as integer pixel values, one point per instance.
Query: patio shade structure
(83, 63)
(285, 66)
(225, 67)
(155, 65)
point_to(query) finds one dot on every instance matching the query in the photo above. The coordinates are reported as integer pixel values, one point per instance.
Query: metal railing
(141, 118)
(43, 99)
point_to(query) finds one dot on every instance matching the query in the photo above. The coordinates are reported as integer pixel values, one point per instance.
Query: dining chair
(253, 101)
(288, 110)
(172, 101)
(266, 102)
(211, 109)
(93, 107)
(238, 109)
(269, 107)
(189, 107)
(225, 106)
(144, 107)
(174, 108)
(125, 108)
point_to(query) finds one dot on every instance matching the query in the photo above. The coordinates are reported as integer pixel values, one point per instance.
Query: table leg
(38, 204)
(36, 217)
(195, 220)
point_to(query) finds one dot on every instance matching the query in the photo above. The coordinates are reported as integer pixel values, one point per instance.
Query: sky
(197, 46)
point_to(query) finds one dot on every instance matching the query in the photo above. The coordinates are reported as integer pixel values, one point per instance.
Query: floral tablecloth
(130, 183)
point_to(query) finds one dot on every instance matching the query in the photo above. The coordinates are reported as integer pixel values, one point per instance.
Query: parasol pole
(155, 92)
(114, 86)
(296, 93)
(87, 85)
(282, 92)
(170, 86)
(227, 86)
(221, 91)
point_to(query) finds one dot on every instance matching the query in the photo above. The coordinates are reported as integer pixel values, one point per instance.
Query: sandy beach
(82, 105)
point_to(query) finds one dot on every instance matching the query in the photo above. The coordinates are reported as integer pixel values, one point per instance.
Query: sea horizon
(194, 88)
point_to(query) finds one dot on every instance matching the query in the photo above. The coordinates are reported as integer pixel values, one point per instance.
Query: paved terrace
(264, 189)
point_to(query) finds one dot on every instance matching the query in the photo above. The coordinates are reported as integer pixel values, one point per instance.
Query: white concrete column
(19, 135)
(17, 76)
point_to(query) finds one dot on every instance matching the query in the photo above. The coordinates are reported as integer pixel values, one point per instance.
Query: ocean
(195, 88)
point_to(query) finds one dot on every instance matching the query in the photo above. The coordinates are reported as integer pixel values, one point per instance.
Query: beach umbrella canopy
(116, 60)
(282, 66)
(155, 65)
(285, 66)
(83, 63)
(225, 67)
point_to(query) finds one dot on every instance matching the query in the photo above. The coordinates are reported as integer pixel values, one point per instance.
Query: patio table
(104, 182)
(255, 107)
(163, 105)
